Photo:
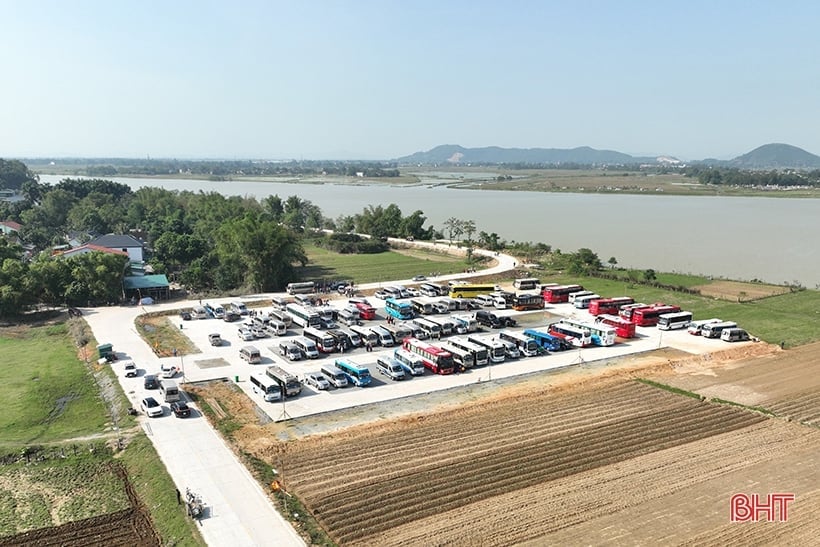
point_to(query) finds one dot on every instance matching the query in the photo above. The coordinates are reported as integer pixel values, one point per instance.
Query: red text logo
(754, 508)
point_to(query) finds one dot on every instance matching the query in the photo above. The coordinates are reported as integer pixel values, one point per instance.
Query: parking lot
(224, 362)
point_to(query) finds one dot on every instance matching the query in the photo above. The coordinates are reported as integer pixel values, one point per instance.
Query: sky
(381, 79)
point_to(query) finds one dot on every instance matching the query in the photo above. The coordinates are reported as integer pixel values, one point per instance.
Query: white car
(381, 294)
(151, 407)
(167, 370)
(412, 293)
(246, 335)
(316, 380)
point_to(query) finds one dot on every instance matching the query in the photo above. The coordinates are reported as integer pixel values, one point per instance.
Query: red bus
(623, 327)
(366, 311)
(626, 311)
(559, 293)
(609, 305)
(434, 358)
(648, 317)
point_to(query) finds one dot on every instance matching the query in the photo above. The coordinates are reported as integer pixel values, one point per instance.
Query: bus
(578, 337)
(609, 305)
(281, 315)
(343, 341)
(695, 327)
(288, 383)
(481, 353)
(523, 302)
(358, 375)
(429, 289)
(526, 283)
(423, 306)
(469, 290)
(432, 329)
(324, 341)
(582, 302)
(648, 317)
(266, 386)
(303, 317)
(602, 335)
(626, 311)
(547, 341)
(384, 336)
(397, 309)
(446, 325)
(577, 294)
(305, 287)
(623, 327)
(366, 311)
(410, 362)
(398, 331)
(675, 320)
(559, 293)
(497, 351)
(461, 357)
(526, 345)
(434, 358)
(367, 335)
(713, 330)
(469, 322)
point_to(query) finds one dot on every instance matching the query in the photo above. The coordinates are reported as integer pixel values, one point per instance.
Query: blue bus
(399, 310)
(356, 374)
(547, 341)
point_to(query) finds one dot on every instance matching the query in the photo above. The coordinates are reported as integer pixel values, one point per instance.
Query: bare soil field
(738, 291)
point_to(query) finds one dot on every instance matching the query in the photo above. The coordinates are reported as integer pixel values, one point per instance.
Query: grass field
(372, 268)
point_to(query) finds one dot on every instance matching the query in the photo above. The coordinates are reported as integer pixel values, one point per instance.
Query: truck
(106, 353)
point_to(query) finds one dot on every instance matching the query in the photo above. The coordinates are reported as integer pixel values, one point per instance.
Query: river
(770, 239)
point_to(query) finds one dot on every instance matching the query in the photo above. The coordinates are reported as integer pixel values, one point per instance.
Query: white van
(199, 312)
(250, 354)
(734, 335)
(169, 391)
(307, 347)
(335, 376)
(290, 351)
(276, 328)
(239, 307)
(384, 336)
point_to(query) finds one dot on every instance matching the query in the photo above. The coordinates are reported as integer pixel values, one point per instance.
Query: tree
(649, 275)
(584, 262)
(14, 174)
(451, 227)
(612, 262)
(468, 227)
(274, 207)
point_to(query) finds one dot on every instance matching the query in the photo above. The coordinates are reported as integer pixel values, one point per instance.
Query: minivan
(276, 328)
(734, 335)
(250, 354)
(307, 347)
(169, 391)
(335, 376)
(290, 351)
(384, 336)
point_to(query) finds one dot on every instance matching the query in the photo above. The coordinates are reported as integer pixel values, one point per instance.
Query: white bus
(303, 316)
(423, 305)
(673, 321)
(463, 358)
(582, 302)
(713, 330)
(469, 322)
(384, 336)
(446, 325)
(577, 294)
(266, 386)
(600, 334)
(481, 353)
(410, 362)
(325, 342)
(428, 289)
(288, 383)
(527, 283)
(526, 345)
(305, 287)
(498, 353)
(432, 329)
(367, 335)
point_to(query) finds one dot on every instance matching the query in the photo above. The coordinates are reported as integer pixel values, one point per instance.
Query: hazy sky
(382, 79)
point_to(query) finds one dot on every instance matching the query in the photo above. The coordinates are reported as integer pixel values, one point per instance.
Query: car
(180, 409)
(246, 334)
(231, 316)
(215, 339)
(167, 371)
(185, 315)
(412, 293)
(150, 381)
(151, 407)
(316, 380)
(327, 323)
(420, 278)
(382, 295)
(259, 332)
(130, 369)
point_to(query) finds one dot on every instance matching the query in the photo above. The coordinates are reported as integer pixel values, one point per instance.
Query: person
(368, 346)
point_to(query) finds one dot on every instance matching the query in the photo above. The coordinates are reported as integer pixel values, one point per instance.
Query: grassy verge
(162, 333)
(669, 388)
(747, 407)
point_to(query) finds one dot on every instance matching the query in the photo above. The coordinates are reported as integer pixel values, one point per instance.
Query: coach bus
(288, 383)
(462, 358)
(601, 335)
(423, 306)
(356, 374)
(609, 305)
(623, 327)
(582, 302)
(446, 324)
(303, 317)
(306, 287)
(523, 302)
(626, 311)
(266, 386)
(325, 342)
(432, 329)
(578, 337)
(398, 310)
(497, 351)
(648, 317)
(675, 320)
(526, 283)
(547, 341)
(366, 311)
(481, 353)
(434, 358)
(559, 293)
(469, 290)
(526, 345)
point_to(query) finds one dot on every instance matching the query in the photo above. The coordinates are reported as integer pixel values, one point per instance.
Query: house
(9, 227)
(125, 243)
(87, 248)
(138, 287)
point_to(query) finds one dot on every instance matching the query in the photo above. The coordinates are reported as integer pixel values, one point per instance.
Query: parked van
(282, 316)
(169, 391)
(290, 351)
(734, 335)
(307, 347)
(354, 338)
(199, 312)
(250, 354)
(349, 316)
(365, 334)
(279, 303)
(714, 330)
(335, 376)
(276, 328)
(384, 336)
(239, 307)
(390, 368)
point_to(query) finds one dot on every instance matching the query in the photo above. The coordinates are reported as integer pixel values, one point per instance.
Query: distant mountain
(776, 156)
(455, 154)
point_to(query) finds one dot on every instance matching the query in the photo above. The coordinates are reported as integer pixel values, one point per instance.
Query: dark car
(231, 316)
(180, 409)
(185, 315)
(151, 382)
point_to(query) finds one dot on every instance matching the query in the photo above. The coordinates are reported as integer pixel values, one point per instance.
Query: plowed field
(557, 468)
